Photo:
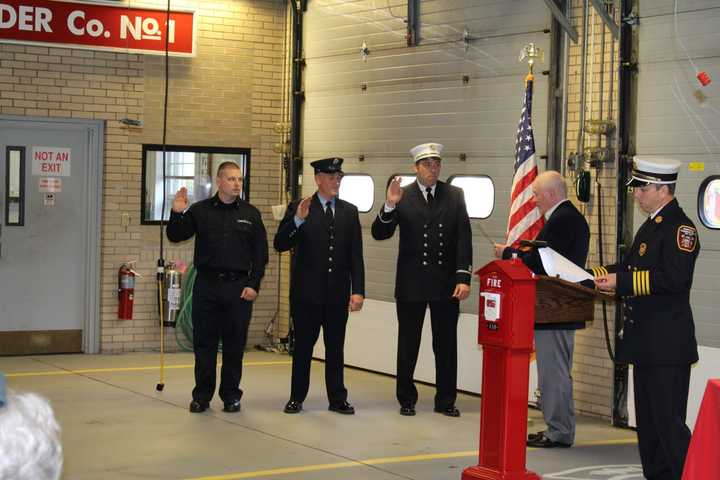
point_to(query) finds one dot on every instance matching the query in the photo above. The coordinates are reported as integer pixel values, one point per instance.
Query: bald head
(549, 189)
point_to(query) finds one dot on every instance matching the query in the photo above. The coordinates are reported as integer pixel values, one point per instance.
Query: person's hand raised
(303, 208)
(180, 202)
(394, 192)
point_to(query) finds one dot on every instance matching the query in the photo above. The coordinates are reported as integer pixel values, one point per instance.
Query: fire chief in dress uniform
(327, 280)
(433, 269)
(658, 334)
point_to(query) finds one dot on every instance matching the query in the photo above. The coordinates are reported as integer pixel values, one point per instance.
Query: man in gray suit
(566, 231)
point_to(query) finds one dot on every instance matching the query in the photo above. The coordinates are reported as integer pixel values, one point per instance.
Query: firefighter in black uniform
(658, 334)
(327, 280)
(433, 268)
(231, 252)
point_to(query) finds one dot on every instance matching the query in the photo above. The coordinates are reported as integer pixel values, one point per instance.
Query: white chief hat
(426, 150)
(646, 170)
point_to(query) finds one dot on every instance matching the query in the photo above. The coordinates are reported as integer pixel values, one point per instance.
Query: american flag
(525, 220)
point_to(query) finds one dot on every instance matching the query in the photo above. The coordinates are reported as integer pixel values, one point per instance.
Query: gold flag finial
(532, 53)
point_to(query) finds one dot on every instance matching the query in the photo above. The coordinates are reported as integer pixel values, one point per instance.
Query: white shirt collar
(658, 210)
(553, 208)
(423, 187)
(323, 200)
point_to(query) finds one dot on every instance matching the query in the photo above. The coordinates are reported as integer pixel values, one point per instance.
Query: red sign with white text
(97, 26)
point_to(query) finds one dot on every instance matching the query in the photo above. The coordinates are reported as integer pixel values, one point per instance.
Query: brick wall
(592, 368)
(229, 95)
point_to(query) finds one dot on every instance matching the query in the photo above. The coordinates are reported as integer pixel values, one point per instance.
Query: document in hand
(556, 265)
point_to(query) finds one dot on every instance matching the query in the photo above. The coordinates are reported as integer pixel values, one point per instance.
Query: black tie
(430, 197)
(328, 211)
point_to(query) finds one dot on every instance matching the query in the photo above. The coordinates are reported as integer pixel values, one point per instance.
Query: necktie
(430, 197)
(328, 211)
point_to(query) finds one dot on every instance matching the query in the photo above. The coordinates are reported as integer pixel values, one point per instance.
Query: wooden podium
(560, 301)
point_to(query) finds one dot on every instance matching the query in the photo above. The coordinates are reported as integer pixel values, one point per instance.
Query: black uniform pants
(218, 313)
(307, 320)
(661, 394)
(444, 319)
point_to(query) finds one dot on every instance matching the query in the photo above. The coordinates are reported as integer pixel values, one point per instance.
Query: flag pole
(532, 53)
(524, 219)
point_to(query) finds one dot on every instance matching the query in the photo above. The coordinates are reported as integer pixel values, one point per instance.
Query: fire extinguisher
(172, 294)
(126, 291)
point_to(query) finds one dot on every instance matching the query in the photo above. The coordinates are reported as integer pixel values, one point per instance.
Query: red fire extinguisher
(126, 291)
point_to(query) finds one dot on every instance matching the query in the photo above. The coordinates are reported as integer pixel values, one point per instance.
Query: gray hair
(552, 181)
(29, 439)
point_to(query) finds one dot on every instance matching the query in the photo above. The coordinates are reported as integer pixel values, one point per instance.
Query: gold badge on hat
(433, 147)
(643, 249)
(658, 219)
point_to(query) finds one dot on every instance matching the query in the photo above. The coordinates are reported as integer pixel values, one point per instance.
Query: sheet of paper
(556, 265)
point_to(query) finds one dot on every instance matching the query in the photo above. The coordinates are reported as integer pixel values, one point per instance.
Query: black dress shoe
(232, 406)
(345, 408)
(541, 441)
(407, 410)
(533, 436)
(293, 407)
(451, 411)
(198, 407)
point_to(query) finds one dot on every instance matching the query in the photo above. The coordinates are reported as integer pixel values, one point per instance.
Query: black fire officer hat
(328, 165)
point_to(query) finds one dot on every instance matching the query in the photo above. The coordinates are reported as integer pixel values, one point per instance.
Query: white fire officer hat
(426, 150)
(646, 170)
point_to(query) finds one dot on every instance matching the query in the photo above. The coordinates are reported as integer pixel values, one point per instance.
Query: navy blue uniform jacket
(328, 263)
(654, 281)
(435, 252)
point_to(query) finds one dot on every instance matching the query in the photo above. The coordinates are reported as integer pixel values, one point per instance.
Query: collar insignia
(658, 219)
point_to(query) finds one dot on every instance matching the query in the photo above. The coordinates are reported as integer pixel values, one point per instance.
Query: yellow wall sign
(696, 166)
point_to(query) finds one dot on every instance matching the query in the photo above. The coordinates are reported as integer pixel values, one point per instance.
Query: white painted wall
(707, 368)
(371, 343)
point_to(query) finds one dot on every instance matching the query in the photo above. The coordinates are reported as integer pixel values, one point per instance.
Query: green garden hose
(184, 328)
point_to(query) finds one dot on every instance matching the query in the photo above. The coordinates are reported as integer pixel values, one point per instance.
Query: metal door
(49, 237)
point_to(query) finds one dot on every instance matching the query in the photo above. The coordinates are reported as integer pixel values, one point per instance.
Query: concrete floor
(117, 426)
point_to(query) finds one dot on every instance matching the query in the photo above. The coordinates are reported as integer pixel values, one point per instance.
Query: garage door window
(479, 194)
(709, 202)
(359, 190)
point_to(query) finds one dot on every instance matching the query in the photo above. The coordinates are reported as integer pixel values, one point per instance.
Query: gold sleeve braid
(641, 282)
(599, 271)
